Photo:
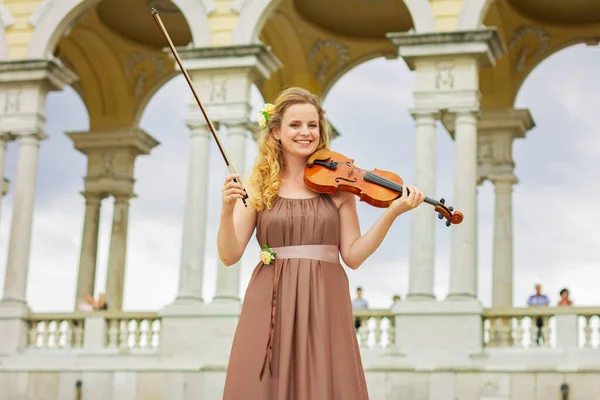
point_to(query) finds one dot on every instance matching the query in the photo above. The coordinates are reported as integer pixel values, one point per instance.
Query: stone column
(111, 162)
(463, 251)
(117, 258)
(24, 85)
(502, 282)
(422, 246)
(498, 128)
(191, 271)
(17, 266)
(4, 137)
(228, 278)
(86, 278)
(223, 77)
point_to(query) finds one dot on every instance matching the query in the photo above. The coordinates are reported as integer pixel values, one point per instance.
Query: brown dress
(307, 320)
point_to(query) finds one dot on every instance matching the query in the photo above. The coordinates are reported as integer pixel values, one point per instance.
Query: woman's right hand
(232, 191)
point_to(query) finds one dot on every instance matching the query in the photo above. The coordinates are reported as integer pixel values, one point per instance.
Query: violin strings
(371, 177)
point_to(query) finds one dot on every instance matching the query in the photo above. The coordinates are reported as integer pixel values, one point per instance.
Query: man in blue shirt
(538, 300)
(358, 302)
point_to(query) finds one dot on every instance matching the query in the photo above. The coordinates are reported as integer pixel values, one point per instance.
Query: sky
(555, 230)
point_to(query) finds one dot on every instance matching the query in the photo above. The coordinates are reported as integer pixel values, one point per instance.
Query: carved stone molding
(319, 61)
(24, 85)
(445, 76)
(256, 56)
(485, 44)
(111, 157)
(525, 53)
(141, 77)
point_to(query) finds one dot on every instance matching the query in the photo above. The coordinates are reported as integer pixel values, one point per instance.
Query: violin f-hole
(339, 178)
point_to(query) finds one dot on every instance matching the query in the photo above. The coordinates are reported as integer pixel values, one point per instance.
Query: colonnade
(447, 90)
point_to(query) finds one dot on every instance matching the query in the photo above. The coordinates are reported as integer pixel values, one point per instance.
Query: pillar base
(435, 333)
(14, 327)
(420, 297)
(195, 328)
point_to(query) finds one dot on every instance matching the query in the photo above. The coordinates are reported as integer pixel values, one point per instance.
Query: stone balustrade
(94, 330)
(560, 327)
(502, 328)
(377, 328)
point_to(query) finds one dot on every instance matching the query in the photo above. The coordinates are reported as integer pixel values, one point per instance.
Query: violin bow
(162, 28)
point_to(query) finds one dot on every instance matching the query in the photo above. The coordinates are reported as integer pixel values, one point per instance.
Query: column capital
(500, 121)
(111, 157)
(417, 112)
(52, 72)
(93, 197)
(130, 139)
(6, 136)
(30, 137)
(501, 178)
(485, 45)
(123, 197)
(199, 127)
(24, 85)
(257, 58)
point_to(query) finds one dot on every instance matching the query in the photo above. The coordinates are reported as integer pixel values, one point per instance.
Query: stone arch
(553, 51)
(139, 112)
(422, 15)
(61, 14)
(253, 16)
(353, 64)
(472, 14)
(255, 13)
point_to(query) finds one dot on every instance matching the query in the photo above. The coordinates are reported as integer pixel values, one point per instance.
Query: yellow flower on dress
(267, 255)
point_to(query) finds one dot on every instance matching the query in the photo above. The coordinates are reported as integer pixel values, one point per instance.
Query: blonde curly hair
(265, 180)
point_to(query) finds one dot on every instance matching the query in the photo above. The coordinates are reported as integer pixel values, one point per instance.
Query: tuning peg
(442, 201)
(451, 208)
(447, 223)
(440, 215)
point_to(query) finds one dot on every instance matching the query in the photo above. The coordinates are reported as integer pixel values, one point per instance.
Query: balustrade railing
(548, 327)
(525, 327)
(377, 327)
(131, 330)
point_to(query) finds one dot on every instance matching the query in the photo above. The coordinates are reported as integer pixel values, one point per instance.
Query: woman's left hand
(406, 203)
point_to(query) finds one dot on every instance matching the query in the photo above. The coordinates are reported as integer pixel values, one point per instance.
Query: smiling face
(299, 130)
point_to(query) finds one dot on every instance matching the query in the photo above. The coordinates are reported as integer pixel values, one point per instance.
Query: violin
(329, 172)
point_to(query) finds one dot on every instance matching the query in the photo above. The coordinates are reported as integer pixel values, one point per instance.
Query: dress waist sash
(322, 252)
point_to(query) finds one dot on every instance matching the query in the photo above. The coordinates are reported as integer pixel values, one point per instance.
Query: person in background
(87, 304)
(564, 298)
(395, 300)
(359, 303)
(538, 300)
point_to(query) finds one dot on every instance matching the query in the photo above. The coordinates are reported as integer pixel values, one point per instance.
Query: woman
(295, 338)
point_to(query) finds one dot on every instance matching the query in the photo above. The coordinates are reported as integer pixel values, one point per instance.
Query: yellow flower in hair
(264, 114)
(269, 108)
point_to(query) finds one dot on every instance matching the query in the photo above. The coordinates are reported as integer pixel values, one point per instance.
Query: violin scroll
(455, 217)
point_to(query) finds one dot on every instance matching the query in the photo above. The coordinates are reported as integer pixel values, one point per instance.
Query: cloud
(554, 225)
